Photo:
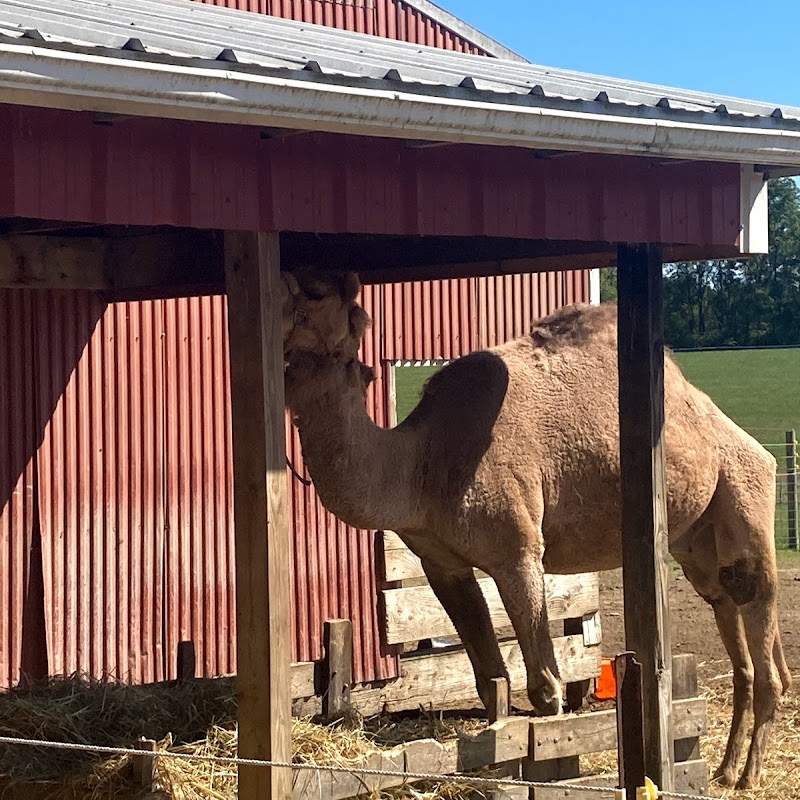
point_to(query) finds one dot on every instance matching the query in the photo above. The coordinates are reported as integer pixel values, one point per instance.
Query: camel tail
(780, 662)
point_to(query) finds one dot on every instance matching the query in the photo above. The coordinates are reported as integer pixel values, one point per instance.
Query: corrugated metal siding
(99, 375)
(119, 452)
(116, 427)
(59, 165)
(442, 320)
(17, 440)
(389, 19)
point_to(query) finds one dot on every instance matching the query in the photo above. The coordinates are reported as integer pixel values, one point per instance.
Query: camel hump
(575, 326)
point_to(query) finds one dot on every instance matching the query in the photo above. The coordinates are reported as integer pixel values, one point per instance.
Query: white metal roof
(185, 59)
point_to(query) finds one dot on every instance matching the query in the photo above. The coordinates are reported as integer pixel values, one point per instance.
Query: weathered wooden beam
(252, 271)
(684, 686)
(576, 734)
(630, 723)
(644, 511)
(52, 262)
(506, 740)
(488, 268)
(144, 766)
(499, 700)
(691, 777)
(414, 613)
(449, 674)
(133, 266)
(576, 691)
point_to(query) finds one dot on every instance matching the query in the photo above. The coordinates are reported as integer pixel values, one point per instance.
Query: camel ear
(351, 286)
(291, 283)
(367, 373)
(359, 322)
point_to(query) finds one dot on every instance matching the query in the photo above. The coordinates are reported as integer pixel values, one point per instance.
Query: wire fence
(469, 781)
(783, 446)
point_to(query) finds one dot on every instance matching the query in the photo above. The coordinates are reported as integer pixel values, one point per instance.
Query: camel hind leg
(744, 539)
(699, 565)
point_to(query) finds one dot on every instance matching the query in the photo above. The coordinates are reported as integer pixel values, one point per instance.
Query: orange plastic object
(607, 682)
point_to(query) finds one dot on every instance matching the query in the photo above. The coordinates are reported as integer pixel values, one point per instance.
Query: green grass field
(758, 389)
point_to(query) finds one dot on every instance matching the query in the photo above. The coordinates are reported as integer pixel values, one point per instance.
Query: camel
(510, 463)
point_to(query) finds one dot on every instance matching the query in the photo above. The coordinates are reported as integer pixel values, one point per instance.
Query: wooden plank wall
(410, 612)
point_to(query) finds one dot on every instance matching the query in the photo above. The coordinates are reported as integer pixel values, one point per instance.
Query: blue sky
(744, 49)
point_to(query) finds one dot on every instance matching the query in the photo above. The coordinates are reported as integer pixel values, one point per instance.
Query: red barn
(175, 150)
(171, 578)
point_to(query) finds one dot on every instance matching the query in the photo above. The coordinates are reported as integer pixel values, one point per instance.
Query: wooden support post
(791, 490)
(252, 267)
(187, 661)
(576, 690)
(630, 723)
(644, 511)
(499, 700)
(684, 686)
(144, 766)
(337, 667)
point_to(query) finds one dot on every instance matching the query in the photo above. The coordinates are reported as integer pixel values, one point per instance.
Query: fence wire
(472, 781)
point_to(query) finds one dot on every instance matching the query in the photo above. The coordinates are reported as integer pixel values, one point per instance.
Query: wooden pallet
(411, 613)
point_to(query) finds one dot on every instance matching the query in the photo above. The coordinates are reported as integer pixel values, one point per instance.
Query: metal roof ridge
(464, 29)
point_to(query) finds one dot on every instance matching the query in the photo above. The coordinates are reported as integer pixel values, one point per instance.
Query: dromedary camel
(510, 463)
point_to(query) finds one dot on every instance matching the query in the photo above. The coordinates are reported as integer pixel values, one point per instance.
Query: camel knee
(743, 680)
(767, 692)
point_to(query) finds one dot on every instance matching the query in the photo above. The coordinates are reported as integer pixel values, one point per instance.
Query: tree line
(747, 302)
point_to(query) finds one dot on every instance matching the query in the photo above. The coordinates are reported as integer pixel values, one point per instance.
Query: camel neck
(364, 474)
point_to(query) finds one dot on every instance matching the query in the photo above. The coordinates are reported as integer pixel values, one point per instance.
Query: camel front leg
(521, 585)
(460, 595)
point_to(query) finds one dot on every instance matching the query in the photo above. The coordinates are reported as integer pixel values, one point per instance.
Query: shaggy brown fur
(510, 463)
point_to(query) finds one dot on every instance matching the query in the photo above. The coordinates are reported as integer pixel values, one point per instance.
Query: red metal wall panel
(98, 378)
(390, 19)
(17, 440)
(442, 320)
(59, 165)
(116, 431)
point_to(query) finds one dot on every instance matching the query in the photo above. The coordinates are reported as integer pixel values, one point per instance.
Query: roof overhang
(55, 78)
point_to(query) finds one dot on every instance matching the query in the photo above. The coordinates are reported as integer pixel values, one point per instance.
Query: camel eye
(300, 317)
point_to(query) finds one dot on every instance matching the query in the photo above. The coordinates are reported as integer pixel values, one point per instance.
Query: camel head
(320, 314)
(311, 379)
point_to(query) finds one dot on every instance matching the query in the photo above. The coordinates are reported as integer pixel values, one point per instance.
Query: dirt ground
(692, 621)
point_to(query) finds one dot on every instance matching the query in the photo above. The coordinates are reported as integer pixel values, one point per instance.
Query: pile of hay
(196, 717)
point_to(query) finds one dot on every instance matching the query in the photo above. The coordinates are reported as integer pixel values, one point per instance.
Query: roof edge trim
(37, 76)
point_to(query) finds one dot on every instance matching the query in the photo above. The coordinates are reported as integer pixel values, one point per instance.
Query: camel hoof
(747, 782)
(725, 777)
(545, 702)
